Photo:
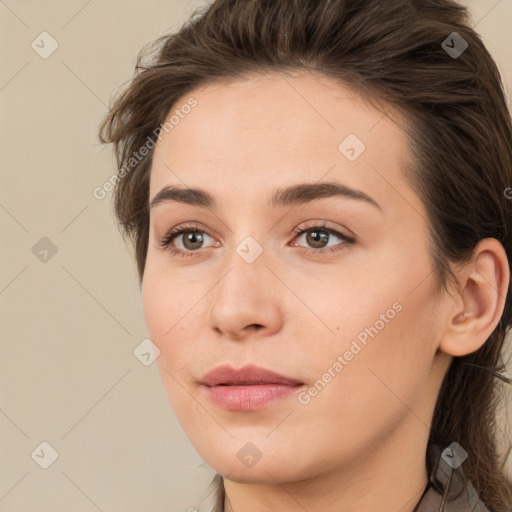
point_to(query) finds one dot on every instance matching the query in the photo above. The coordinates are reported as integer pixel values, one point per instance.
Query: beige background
(69, 325)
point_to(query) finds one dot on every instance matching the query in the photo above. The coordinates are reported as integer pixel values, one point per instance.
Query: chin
(282, 468)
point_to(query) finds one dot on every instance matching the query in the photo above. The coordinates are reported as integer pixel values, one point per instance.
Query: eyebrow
(293, 195)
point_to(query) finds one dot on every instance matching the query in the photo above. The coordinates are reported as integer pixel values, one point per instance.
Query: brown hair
(390, 52)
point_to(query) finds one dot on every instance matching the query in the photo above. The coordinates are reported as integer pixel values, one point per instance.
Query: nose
(244, 304)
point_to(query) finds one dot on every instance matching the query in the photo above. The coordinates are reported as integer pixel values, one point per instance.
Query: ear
(477, 306)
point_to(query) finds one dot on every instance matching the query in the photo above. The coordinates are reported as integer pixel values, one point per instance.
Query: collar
(448, 490)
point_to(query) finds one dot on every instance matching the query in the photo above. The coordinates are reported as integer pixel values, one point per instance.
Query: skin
(360, 443)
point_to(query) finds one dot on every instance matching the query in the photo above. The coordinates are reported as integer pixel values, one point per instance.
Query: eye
(192, 240)
(318, 237)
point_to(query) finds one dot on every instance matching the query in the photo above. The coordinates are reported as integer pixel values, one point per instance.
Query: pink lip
(246, 389)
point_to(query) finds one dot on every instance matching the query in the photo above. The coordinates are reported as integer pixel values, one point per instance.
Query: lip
(247, 389)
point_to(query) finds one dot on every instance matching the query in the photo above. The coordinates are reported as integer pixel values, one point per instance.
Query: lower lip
(250, 397)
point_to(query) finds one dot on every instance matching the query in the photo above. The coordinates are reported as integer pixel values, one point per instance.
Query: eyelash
(167, 239)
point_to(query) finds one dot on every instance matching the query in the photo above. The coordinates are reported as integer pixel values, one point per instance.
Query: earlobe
(478, 306)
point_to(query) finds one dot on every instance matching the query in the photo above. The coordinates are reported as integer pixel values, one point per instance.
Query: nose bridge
(242, 297)
(244, 272)
(248, 237)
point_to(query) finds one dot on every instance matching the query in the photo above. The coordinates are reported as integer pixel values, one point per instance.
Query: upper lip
(249, 374)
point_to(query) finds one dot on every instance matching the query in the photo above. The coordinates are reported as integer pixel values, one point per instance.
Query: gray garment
(447, 489)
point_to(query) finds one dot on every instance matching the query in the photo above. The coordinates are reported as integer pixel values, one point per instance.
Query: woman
(317, 194)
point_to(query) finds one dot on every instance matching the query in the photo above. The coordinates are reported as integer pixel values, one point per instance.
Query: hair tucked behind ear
(387, 51)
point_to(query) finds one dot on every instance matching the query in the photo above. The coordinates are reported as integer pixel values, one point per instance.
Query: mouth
(248, 389)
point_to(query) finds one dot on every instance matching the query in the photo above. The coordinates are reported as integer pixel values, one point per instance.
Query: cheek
(397, 335)
(164, 298)
(162, 311)
(166, 321)
(381, 339)
(378, 383)
(154, 304)
(173, 312)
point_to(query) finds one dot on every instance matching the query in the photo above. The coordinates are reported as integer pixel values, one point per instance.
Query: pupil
(318, 236)
(194, 237)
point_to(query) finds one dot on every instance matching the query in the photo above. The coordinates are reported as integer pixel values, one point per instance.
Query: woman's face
(347, 310)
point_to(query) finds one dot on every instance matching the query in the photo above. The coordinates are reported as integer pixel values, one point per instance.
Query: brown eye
(192, 239)
(190, 236)
(317, 238)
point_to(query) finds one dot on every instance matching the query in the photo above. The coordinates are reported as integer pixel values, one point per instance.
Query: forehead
(273, 130)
